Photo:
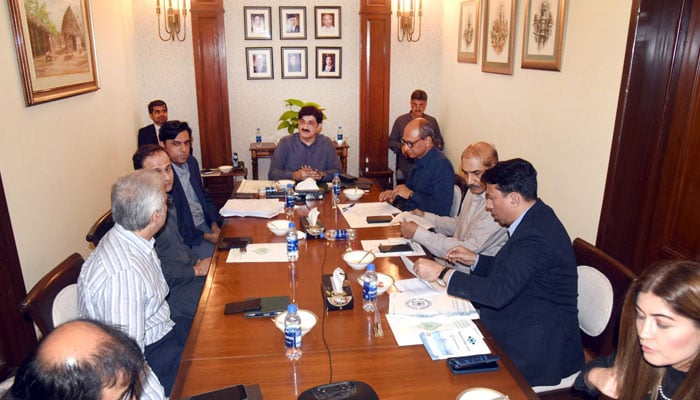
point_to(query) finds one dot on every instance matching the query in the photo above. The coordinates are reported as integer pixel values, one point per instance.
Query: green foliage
(289, 119)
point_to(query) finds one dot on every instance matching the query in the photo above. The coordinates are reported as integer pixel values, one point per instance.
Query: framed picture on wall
(294, 62)
(259, 62)
(327, 22)
(292, 22)
(468, 40)
(55, 49)
(499, 36)
(328, 62)
(544, 34)
(257, 23)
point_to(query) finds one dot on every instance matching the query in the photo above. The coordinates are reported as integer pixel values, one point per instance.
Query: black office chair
(100, 228)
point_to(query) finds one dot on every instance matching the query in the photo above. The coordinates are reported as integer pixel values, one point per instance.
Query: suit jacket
(528, 297)
(147, 135)
(185, 224)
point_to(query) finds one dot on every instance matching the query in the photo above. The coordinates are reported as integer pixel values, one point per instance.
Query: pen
(349, 207)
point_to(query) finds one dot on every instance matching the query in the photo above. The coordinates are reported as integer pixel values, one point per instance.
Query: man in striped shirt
(121, 282)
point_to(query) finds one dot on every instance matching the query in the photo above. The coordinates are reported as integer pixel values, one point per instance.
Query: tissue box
(305, 226)
(335, 302)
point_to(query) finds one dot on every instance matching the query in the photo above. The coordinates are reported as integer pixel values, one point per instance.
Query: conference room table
(223, 350)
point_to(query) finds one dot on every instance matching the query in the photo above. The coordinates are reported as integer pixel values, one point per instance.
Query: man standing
(430, 185)
(158, 112)
(307, 153)
(474, 227)
(528, 290)
(183, 270)
(198, 219)
(121, 282)
(419, 102)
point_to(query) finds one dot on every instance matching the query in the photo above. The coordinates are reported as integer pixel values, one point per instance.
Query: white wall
(59, 159)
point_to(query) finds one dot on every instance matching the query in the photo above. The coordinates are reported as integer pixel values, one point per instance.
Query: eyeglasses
(410, 144)
(310, 122)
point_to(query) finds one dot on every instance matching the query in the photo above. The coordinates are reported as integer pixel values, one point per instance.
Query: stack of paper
(407, 216)
(263, 208)
(253, 186)
(454, 343)
(428, 304)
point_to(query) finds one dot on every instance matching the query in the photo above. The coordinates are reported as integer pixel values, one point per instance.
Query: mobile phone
(242, 306)
(473, 364)
(378, 219)
(235, 242)
(395, 248)
(236, 392)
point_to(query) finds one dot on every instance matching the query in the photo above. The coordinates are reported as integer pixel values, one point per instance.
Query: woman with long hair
(659, 340)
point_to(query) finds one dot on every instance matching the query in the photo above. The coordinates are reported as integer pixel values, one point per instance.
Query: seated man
(307, 153)
(528, 290)
(474, 227)
(158, 112)
(198, 219)
(430, 185)
(121, 282)
(182, 269)
(81, 359)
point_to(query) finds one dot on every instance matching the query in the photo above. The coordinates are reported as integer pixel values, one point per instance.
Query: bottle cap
(289, 186)
(292, 308)
(335, 174)
(292, 225)
(370, 267)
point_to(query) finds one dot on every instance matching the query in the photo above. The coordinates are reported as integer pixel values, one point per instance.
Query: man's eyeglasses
(309, 122)
(410, 144)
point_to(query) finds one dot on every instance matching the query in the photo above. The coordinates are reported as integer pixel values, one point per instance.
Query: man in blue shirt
(430, 184)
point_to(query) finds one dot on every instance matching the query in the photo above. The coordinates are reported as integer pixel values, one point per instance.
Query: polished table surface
(229, 349)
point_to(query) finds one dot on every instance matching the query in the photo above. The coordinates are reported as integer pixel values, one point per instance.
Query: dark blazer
(147, 135)
(185, 224)
(528, 297)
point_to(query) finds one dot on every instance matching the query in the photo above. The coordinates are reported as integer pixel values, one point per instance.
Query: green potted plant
(289, 118)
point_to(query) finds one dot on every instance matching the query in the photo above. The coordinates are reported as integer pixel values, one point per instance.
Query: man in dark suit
(527, 292)
(158, 112)
(198, 218)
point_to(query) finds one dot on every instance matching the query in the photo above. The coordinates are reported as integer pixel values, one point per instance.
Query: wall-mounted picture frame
(292, 22)
(469, 25)
(294, 62)
(55, 49)
(327, 22)
(543, 35)
(499, 36)
(329, 62)
(259, 62)
(257, 23)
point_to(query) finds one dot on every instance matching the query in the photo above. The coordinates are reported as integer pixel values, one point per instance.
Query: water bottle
(339, 234)
(336, 190)
(292, 243)
(369, 289)
(292, 333)
(258, 137)
(339, 136)
(235, 160)
(289, 200)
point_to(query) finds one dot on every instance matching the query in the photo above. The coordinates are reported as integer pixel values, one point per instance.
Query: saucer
(384, 282)
(308, 320)
(480, 393)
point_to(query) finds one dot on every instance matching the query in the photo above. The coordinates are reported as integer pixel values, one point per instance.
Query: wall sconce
(406, 15)
(172, 19)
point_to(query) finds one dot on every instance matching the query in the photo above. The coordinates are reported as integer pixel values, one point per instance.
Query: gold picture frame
(469, 30)
(499, 37)
(543, 35)
(55, 49)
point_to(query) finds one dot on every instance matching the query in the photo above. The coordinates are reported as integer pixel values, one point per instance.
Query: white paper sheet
(424, 304)
(253, 186)
(259, 252)
(443, 344)
(356, 213)
(407, 329)
(373, 246)
(263, 208)
(409, 217)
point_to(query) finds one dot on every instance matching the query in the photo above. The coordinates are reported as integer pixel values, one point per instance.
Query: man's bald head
(477, 158)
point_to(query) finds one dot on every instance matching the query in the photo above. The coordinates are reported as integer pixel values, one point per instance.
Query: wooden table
(220, 185)
(229, 349)
(265, 150)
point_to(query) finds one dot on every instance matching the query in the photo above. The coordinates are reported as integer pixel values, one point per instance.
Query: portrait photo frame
(294, 62)
(499, 36)
(332, 55)
(259, 63)
(287, 28)
(58, 65)
(327, 22)
(543, 37)
(469, 31)
(257, 22)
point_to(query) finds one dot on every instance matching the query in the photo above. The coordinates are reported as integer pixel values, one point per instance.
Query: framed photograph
(468, 40)
(499, 36)
(544, 34)
(294, 62)
(292, 22)
(259, 62)
(328, 62)
(55, 49)
(257, 22)
(327, 22)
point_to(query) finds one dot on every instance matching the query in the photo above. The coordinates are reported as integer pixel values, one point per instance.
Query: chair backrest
(100, 228)
(595, 300)
(456, 201)
(54, 299)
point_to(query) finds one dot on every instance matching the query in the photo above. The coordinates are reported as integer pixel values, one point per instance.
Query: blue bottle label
(369, 290)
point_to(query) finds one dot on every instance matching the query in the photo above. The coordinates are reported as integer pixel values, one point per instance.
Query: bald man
(81, 359)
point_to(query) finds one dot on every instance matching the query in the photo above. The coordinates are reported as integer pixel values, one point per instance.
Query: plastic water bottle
(292, 243)
(369, 289)
(336, 190)
(339, 136)
(235, 160)
(289, 200)
(292, 333)
(258, 137)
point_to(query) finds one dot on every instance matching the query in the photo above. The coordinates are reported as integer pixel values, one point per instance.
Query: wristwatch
(441, 277)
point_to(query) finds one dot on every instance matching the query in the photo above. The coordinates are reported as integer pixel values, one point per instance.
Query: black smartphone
(378, 219)
(237, 392)
(242, 306)
(235, 242)
(473, 364)
(395, 248)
